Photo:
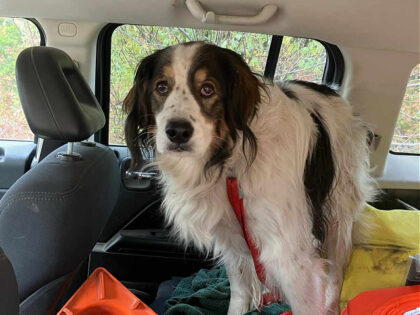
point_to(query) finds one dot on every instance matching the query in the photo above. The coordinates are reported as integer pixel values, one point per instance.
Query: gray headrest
(57, 101)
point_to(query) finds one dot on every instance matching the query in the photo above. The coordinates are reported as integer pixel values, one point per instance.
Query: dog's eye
(162, 87)
(207, 90)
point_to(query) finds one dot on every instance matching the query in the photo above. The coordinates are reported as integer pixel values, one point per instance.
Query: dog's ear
(137, 106)
(244, 96)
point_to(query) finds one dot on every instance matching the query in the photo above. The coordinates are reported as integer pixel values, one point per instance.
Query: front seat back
(51, 218)
(9, 298)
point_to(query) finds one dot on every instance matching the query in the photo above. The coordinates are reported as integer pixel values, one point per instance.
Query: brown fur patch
(167, 74)
(200, 76)
(211, 107)
(138, 105)
(236, 99)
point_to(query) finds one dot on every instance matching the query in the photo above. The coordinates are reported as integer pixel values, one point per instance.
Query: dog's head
(192, 99)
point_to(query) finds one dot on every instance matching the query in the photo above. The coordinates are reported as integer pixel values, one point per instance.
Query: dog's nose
(179, 131)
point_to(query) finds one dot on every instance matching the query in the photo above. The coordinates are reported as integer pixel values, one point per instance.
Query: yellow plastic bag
(381, 260)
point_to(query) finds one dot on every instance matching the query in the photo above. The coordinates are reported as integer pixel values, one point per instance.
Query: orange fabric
(385, 301)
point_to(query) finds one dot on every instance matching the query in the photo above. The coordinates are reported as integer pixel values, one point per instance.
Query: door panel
(390, 199)
(131, 200)
(15, 160)
(135, 245)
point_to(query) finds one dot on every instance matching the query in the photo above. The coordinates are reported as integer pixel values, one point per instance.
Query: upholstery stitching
(34, 199)
(62, 193)
(43, 288)
(44, 94)
(58, 196)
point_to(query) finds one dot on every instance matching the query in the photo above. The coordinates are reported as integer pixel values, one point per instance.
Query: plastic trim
(403, 153)
(334, 66)
(41, 31)
(103, 77)
(273, 56)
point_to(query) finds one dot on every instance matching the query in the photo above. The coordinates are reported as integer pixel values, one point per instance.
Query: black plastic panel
(15, 158)
(398, 199)
(141, 252)
(145, 271)
(131, 201)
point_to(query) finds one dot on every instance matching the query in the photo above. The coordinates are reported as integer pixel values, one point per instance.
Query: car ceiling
(379, 24)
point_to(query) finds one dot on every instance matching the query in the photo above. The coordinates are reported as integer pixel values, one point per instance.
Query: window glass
(301, 59)
(407, 131)
(16, 34)
(131, 43)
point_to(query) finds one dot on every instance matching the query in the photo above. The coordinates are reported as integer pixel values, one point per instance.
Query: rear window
(406, 137)
(299, 58)
(16, 34)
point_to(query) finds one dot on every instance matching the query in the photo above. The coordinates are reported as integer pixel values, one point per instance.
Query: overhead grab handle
(199, 13)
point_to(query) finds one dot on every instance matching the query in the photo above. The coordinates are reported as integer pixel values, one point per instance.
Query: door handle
(137, 179)
(197, 11)
(2, 154)
(141, 175)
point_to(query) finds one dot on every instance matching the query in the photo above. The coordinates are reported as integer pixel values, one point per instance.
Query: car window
(406, 137)
(16, 34)
(299, 58)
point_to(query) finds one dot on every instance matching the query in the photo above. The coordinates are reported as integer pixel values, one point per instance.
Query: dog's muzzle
(179, 132)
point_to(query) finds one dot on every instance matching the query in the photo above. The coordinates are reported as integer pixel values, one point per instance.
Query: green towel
(207, 293)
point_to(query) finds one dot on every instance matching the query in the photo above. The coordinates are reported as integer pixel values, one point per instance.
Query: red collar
(237, 204)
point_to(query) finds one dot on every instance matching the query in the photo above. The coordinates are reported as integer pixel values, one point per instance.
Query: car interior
(69, 202)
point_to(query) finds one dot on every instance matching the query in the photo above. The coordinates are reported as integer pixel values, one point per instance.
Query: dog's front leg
(240, 298)
(301, 278)
(339, 244)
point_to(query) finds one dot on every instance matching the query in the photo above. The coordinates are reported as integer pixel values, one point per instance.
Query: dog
(298, 153)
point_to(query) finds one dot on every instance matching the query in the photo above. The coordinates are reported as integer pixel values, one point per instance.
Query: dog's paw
(333, 310)
(237, 308)
(237, 312)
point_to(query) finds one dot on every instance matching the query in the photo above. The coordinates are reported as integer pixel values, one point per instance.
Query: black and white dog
(298, 153)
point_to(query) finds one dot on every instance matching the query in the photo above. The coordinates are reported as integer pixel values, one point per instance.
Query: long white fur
(276, 207)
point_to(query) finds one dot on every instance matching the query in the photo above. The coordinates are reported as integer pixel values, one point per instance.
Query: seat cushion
(9, 298)
(51, 218)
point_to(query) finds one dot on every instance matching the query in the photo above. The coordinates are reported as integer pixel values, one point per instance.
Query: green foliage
(301, 59)
(15, 35)
(407, 131)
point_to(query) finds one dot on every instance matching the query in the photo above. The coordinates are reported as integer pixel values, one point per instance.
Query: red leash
(237, 204)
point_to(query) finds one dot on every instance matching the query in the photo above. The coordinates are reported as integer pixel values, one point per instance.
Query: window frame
(333, 70)
(403, 153)
(396, 152)
(42, 42)
(43, 38)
